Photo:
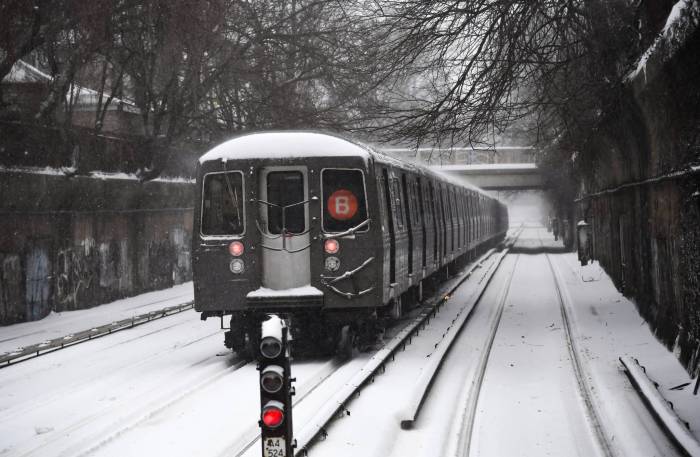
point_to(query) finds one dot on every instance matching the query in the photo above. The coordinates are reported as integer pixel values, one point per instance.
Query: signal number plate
(274, 447)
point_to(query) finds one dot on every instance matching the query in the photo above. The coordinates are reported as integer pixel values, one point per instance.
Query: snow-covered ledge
(682, 22)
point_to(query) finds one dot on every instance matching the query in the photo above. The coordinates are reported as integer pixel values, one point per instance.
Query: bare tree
(470, 69)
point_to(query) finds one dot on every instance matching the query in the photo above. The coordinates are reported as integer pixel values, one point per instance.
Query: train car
(332, 235)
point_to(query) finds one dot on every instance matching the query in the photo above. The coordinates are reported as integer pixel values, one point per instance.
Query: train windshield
(285, 192)
(222, 204)
(344, 205)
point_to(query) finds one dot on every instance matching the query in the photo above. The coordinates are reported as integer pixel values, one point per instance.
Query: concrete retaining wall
(71, 243)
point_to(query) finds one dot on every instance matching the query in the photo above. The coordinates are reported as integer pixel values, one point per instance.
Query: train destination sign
(342, 205)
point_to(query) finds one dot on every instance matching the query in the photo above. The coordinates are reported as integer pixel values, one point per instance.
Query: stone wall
(71, 243)
(642, 194)
(32, 145)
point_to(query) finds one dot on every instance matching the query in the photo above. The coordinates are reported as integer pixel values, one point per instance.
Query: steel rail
(466, 424)
(337, 403)
(565, 303)
(661, 409)
(410, 413)
(375, 362)
(56, 344)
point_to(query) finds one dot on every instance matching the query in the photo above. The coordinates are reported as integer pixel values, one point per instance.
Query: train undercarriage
(313, 332)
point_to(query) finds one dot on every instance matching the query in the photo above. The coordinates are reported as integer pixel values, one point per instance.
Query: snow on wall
(682, 21)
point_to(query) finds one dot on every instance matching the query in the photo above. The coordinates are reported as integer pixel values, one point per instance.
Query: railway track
(459, 441)
(578, 364)
(463, 445)
(314, 426)
(319, 387)
(328, 388)
(83, 336)
(116, 428)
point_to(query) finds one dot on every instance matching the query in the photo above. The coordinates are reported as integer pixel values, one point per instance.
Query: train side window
(344, 199)
(390, 213)
(285, 188)
(222, 204)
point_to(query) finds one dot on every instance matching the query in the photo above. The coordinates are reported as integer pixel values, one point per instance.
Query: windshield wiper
(233, 193)
(349, 231)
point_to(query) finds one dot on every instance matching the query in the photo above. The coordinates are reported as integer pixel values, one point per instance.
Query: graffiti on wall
(92, 265)
(182, 268)
(11, 290)
(75, 275)
(38, 282)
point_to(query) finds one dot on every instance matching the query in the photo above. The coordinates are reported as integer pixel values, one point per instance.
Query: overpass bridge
(499, 168)
(497, 177)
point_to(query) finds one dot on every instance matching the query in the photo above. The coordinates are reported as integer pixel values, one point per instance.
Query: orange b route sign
(342, 205)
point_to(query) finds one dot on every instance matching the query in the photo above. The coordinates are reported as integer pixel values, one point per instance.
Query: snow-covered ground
(169, 387)
(530, 403)
(56, 325)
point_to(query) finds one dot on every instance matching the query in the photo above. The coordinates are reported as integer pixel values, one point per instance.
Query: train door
(458, 219)
(434, 212)
(445, 222)
(470, 223)
(284, 212)
(422, 214)
(409, 223)
(390, 216)
(401, 235)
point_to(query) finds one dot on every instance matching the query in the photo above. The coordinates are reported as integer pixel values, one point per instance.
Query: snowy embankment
(57, 325)
(530, 403)
(681, 23)
(168, 387)
(609, 326)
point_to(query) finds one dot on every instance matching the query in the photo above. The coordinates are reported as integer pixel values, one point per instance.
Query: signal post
(276, 433)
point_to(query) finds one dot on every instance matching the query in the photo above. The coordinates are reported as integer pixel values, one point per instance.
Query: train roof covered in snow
(311, 144)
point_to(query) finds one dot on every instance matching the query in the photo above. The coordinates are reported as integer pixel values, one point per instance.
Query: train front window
(344, 204)
(285, 188)
(222, 204)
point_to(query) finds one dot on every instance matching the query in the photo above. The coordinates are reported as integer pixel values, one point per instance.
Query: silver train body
(328, 233)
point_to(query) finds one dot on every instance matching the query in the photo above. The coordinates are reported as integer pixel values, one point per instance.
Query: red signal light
(272, 415)
(331, 246)
(236, 248)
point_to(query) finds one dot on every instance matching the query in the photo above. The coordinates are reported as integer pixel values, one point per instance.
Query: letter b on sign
(342, 205)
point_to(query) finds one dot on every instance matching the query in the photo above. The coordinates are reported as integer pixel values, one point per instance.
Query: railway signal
(276, 433)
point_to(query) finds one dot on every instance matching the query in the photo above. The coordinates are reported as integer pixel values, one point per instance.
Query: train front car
(284, 226)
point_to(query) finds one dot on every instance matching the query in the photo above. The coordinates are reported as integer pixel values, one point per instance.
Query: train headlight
(272, 379)
(331, 246)
(237, 266)
(236, 248)
(273, 414)
(332, 263)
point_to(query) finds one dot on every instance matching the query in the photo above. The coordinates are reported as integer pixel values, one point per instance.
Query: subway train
(335, 237)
